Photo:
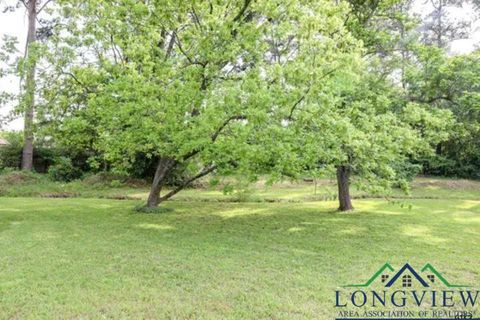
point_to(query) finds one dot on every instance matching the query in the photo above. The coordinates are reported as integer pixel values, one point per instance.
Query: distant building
(3, 142)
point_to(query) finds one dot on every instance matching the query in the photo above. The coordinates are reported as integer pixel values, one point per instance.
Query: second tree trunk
(343, 181)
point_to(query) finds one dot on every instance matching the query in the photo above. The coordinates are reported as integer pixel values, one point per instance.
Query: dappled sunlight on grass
(295, 229)
(45, 235)
(470, 230)
(155, 226)
(336, 219)
(384, 207)
(415, 231)
(467, 204)
(201, 254)
(422, 233)
(304, 252)
(367, 205)
(468, 219)
(140, 195)
(242, 212)
(390, 212)
(100, 206)
(466, 216)
(311, 223)
(325, 206)
(353, 230)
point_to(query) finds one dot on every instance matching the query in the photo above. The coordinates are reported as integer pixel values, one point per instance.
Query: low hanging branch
(244, 8)
(187, 182)
(214, 135)
(44, 5)
(224, 124)
(297, 103)
(165, 165)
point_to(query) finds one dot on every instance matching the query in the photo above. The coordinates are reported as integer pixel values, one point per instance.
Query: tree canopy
(356, 89)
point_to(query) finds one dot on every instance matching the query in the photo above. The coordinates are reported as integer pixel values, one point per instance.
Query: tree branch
(294, 107)
(179, 45)
(224, 124)
(202, 173)
(87, 89)
(24, 3)
(44, 5)
(170, 44)
(196, 19)
(214, 135)
(431, 100)
(244, 8)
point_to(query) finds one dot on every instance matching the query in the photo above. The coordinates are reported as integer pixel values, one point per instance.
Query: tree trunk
(440, 26)
(163, 168)
(343, 181)
(29, 99)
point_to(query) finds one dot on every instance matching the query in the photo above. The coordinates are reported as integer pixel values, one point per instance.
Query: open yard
(240, 160)
(82, 258)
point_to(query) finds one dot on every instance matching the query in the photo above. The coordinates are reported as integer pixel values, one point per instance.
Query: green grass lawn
(96, 259)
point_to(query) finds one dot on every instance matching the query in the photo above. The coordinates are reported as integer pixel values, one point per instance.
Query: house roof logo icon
(406, 267)
(407, 273)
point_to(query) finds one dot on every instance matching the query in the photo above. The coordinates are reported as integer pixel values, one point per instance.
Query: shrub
(11, 177)
(143, 167)
(406, 171)
(116, 184)
(64, 170)
(11, 154)
(113, 180)
(105, 178)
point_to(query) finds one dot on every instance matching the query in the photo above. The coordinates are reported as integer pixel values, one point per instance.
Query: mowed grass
(96, 259)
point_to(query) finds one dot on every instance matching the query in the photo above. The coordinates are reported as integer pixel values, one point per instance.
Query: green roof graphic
(387, 266)
(429, 267)
(375, 276)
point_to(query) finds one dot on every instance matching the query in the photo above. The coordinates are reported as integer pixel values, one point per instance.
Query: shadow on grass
(375, 229)
(243, 247)
(376, 225)
(158, 210)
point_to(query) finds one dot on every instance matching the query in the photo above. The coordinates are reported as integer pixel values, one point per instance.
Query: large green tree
(366, 135)
(367, 131)
(201, 86)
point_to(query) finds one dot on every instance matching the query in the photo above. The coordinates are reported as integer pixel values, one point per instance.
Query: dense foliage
(173, 91)
(451, 83)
